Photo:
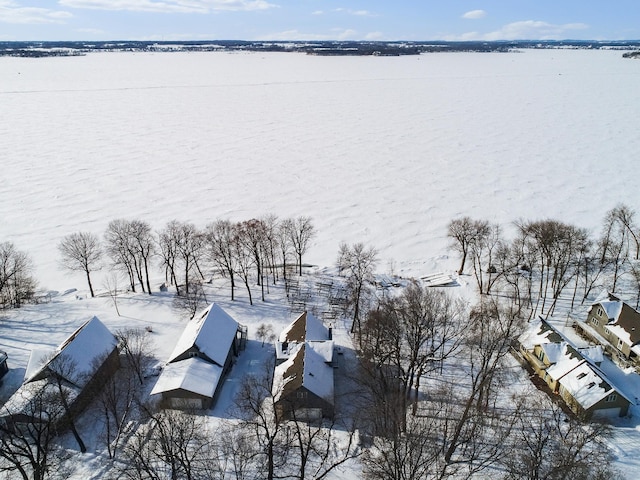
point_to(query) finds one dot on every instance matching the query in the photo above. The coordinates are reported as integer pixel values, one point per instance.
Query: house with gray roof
(201, 358)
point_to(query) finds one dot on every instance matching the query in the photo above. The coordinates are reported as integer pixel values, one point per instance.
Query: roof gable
(77, 358)
(306, 327)
(629, 321)
(306, 368)
(212, 333)
(192, 375)
(586, 386)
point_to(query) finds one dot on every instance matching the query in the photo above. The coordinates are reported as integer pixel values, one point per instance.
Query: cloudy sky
(319, 19)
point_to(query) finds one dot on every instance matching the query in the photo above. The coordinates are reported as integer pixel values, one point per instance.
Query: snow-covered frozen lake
(384, 150)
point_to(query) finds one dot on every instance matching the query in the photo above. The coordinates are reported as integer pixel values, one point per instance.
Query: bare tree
(27, 449)
(551, 445)
(625, 216)
(17, 284)
(239, 451)
(252, 233)
(315, 449)
(358, 264)
(120, 248)
(407, 337)
(111, 284)
(64, 370)
(614, 244)
(255, 408)
(463, 232)
(189, 250)
(117, 405)
(168, 245)
(220, 249)
(557, 251)
(490, 333)
(171, 445)
(144, 246)
(300, 231)
(414, 453)
(193, 301)
(244, 259)
(137, 347)
(265, 333)
(483, 249)
(81, 252)
(271, 243)
(284, 244)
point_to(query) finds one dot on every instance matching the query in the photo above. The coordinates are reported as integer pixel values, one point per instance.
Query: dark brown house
(303, 385)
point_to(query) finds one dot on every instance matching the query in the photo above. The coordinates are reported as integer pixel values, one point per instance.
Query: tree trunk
(464, 259)
(146, 272)
(90, 285)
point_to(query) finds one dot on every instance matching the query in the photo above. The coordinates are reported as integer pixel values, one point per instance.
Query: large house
(79, 366)
(303, 384)
(572, 373)
(202, 356)
(615, 325)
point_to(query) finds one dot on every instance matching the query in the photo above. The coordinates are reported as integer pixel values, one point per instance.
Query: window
(541, 355)
(600, 311)
(595, 321)
(619, 344)
(591, 385)
(607, 331)
(612, 397)
(581, 376)
(301, 394)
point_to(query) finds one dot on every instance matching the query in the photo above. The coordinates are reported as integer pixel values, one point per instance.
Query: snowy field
(380, 150)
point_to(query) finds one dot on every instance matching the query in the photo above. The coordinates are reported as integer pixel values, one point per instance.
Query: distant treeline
(46, 49)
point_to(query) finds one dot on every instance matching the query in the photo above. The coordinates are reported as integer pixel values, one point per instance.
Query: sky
(319, 20)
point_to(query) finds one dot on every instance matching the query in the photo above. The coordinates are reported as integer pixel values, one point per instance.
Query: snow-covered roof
(612, 308)
(284, 350)
(212, 333)
(538, 333)
(324, 349)
(193, 375)
(594, 353)
(308, 368)
(26, 400)
(78, 357)
(623, 320)
(305, 328)
(38, 359)
(318, 376)
(554, 351)
(585, 385)
(564, 365)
